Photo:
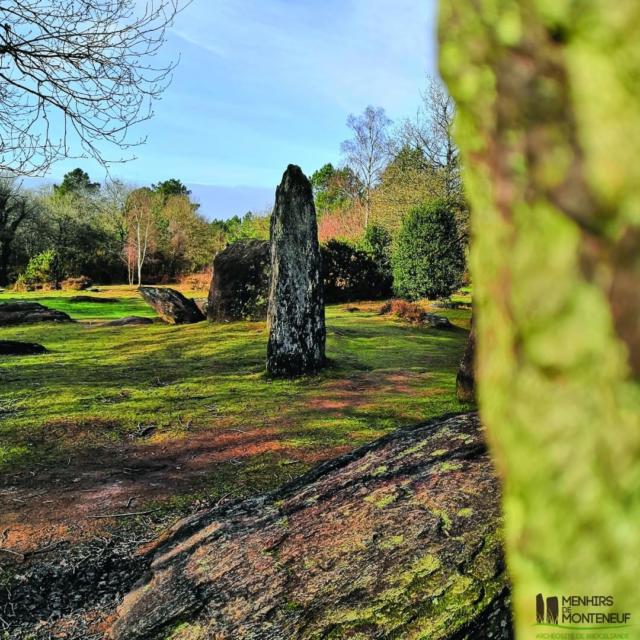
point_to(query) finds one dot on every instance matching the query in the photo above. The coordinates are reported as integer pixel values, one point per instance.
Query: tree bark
(399, 539)
(549, 128)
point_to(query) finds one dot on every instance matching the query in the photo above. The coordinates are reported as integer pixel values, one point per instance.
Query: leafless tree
(76, 75)
(141, 211)
(368, 151)
(432, 132)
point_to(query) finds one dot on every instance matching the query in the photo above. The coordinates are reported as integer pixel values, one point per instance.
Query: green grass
(97, 384)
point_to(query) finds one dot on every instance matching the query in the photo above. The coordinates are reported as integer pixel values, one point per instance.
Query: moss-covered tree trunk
(549, 126)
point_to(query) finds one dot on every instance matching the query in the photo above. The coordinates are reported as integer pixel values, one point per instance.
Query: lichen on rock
(295, 316)
(319, 558)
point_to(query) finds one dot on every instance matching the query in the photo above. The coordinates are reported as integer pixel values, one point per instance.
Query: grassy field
(132, 392)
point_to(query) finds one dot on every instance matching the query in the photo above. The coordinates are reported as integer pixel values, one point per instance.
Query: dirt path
(64, 564)
(73, 500)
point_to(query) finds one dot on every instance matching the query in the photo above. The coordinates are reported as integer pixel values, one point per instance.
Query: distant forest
(112, 232)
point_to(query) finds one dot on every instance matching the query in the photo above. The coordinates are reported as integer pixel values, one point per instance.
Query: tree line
(109, 233)
(397, 197)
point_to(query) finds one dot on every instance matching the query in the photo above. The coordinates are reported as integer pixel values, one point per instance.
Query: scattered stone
(77, 284)
(16, 348)
(171, 305)
(352, 309)
(465, 380)
(295, 314)
(436, 321)
(93, 299)
(240, 285)
(27, 312)
(128, 321)
(399, 539)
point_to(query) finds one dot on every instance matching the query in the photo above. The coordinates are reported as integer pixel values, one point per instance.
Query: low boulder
(28, 312)
(96, 299)
(401, 538)
(171, 305)
(436, 321)
(240, 284)
(16, 348)
(128, 321)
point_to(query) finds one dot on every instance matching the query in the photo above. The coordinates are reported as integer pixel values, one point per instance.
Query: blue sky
(265, 83)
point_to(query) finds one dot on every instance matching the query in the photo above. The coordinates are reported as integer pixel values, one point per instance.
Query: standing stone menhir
(296, 301)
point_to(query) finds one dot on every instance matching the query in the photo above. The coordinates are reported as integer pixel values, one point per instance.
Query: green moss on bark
(549, 128)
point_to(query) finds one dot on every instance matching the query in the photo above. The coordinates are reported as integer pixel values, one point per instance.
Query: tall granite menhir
(295, 314)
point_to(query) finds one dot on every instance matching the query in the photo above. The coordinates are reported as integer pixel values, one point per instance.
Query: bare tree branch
(76, 74)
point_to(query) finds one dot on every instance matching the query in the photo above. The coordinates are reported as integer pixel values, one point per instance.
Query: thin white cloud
(183, 35)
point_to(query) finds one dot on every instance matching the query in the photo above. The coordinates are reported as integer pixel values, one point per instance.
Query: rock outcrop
(27, 312)
(465, 380)
(17, 348)
(399, 539)
(295, 313)
(240, 283)
(171, 305)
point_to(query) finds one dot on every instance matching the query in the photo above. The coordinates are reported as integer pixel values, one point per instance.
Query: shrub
(77, 284)
(39, 271)
(21, 284)
(409, 311)
(428, 260)
(351, 274)
(377, 243)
